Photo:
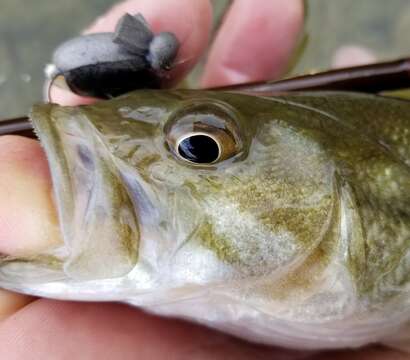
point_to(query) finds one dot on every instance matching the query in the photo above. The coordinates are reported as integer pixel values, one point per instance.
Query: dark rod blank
(373, 78)
(18, 126)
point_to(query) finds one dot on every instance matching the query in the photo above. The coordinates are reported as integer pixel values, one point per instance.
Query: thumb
(28, 221)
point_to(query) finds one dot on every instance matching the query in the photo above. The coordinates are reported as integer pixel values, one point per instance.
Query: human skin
(47, 329)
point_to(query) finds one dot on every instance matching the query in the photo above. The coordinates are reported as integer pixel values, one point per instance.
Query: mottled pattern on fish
(304, 221)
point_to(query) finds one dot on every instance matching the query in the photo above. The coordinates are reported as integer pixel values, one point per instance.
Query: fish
(283, 220)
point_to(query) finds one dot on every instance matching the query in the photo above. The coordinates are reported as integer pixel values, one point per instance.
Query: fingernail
(352, 55)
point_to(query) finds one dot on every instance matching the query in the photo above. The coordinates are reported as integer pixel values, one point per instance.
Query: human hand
(254, 43)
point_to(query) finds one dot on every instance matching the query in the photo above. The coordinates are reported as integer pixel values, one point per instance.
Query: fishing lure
(106, 65)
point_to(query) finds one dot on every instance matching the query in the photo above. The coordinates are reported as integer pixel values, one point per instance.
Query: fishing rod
(372, 78)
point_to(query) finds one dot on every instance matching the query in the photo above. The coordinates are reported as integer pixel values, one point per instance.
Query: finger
(27, 218)
(49, 329)
(28, 222)
(189, 20)
(255, 42)
(352, 55)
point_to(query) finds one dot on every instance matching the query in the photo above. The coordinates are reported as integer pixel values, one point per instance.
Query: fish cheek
(246, 228)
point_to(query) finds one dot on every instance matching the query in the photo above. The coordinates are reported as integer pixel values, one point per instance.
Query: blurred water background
(380, 26)
(30, 30)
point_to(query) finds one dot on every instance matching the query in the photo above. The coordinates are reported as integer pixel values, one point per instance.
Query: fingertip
(255, 42)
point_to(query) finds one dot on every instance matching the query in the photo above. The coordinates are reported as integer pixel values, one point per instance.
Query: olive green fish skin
(374, 167)
(308, 220)
(301, 145)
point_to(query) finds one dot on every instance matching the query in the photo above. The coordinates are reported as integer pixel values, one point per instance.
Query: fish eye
(199, 148)
(203, 134)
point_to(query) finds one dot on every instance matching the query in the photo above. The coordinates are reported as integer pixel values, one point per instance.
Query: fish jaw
(99, 225)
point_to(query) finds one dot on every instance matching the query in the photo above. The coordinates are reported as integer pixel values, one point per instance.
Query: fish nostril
(85, 157)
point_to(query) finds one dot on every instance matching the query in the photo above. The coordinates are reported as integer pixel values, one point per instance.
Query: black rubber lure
(106, 65)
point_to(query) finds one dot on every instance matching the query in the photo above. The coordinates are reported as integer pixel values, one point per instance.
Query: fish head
(168, 189)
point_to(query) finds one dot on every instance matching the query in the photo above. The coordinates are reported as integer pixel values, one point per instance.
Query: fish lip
(98, 223)
(55, 158)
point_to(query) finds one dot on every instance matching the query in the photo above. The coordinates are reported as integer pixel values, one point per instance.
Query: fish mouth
(98, 220)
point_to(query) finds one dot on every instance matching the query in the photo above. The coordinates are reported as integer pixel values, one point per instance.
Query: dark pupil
(199, 149)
